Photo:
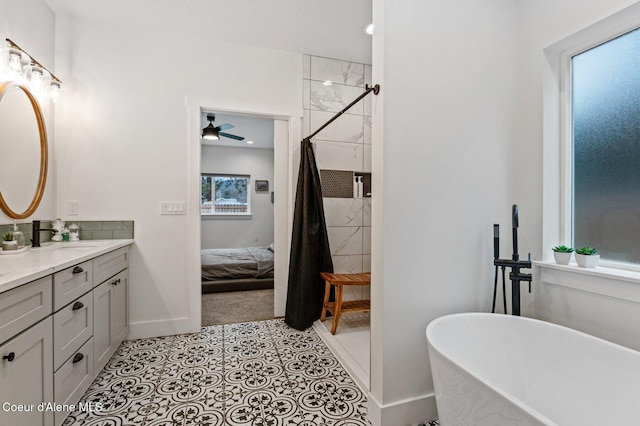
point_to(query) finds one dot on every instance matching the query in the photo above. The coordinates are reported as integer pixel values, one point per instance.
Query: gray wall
(230, 232)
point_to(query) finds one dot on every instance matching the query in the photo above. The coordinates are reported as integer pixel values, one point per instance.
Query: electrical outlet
(72, 208)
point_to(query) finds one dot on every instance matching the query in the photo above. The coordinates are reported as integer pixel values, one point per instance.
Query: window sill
(610, 282)
(240, 216)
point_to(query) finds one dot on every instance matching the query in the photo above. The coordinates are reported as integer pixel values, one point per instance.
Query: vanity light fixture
(26, 70)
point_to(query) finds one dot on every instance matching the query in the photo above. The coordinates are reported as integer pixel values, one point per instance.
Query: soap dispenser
(18, 236)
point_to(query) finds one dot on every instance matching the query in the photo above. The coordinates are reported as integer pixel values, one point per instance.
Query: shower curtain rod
(375, 89)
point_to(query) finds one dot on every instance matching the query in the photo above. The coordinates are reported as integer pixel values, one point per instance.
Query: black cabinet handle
(77, 357)
(77, 270)
(116, 282)
(10, 357)
(77, 305)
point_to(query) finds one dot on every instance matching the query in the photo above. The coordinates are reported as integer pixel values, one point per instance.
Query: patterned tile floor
(253, 374)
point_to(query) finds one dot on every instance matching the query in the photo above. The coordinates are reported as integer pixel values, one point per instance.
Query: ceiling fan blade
(225, 126)
(227, 135)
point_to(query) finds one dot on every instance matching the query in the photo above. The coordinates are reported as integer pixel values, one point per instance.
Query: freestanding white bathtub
(491, 369)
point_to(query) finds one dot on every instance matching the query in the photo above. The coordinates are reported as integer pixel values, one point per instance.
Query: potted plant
(8, 243)
(562, 254)
(587, 257)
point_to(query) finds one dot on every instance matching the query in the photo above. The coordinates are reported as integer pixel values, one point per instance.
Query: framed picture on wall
(262, 186)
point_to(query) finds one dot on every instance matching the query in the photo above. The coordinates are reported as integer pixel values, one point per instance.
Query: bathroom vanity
(63, 314)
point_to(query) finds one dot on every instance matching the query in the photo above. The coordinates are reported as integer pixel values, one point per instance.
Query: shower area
(343, 158)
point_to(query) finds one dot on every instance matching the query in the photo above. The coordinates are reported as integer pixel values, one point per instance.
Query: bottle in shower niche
(360, 187)
(355, 187)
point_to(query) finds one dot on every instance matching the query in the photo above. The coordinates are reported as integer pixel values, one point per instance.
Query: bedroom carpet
(237, 306)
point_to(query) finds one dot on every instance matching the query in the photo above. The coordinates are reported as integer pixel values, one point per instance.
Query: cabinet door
(120, 308)
(26, 376)
(110, 317)
(102, 341)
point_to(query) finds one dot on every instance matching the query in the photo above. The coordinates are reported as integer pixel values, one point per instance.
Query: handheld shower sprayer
(496, 241)
(514, 226)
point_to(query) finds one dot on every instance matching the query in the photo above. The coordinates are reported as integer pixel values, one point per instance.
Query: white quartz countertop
(34, 263)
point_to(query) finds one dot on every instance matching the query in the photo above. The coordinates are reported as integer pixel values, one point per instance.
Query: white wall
(441, 179)
(254, 231)
(31, 24)
(587, 303)
(541, 24)
(123, 128)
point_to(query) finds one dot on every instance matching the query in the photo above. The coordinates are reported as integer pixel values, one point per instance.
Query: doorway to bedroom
(237, 218)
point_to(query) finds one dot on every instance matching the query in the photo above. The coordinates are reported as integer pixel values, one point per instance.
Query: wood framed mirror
(24, 137)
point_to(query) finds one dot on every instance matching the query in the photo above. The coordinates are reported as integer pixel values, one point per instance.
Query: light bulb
(14, 63)
(37, 78)
(54, 91)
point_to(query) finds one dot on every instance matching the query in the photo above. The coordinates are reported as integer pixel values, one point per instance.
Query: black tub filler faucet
(516, 275)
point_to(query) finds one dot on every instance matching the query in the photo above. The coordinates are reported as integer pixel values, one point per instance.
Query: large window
(605, 110)
(225, 195)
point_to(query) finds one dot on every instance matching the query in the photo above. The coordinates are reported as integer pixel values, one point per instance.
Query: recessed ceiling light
(369, 29)
(327, 83)
(249, 142)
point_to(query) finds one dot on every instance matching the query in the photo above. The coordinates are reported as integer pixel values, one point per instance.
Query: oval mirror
(23, 143)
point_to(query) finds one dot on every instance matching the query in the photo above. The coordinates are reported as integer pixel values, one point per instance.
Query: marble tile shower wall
(344, 145)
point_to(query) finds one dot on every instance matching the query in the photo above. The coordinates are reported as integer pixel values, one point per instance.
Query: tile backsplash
(89, 230)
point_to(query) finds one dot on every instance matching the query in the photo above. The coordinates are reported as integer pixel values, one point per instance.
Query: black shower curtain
(310, 252)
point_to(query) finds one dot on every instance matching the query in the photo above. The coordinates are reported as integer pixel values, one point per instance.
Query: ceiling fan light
(210, 133)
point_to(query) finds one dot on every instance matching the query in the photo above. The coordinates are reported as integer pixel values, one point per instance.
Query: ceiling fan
(213, 133)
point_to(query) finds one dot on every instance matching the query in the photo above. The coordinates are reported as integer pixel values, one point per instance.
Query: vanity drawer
(72, 326)
(73, 378)
(107, 265)
(71, 283)
(24, 306)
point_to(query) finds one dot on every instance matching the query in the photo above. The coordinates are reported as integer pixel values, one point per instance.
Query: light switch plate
(173, 207)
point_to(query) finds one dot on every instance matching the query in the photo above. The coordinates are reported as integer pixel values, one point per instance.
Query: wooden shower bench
(339, 307)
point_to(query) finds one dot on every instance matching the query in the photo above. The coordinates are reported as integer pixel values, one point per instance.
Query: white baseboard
(407, 412)
(142, 330)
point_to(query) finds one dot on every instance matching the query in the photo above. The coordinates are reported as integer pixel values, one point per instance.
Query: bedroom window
(225, 195)
(605, 144)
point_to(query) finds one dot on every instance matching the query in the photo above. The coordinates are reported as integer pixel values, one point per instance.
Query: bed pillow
(271, 247)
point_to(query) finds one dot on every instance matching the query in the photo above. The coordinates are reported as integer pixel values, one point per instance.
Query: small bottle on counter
(18, 236)
(74, 232)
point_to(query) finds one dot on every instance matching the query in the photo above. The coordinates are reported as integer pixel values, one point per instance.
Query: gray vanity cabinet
(56, 335)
